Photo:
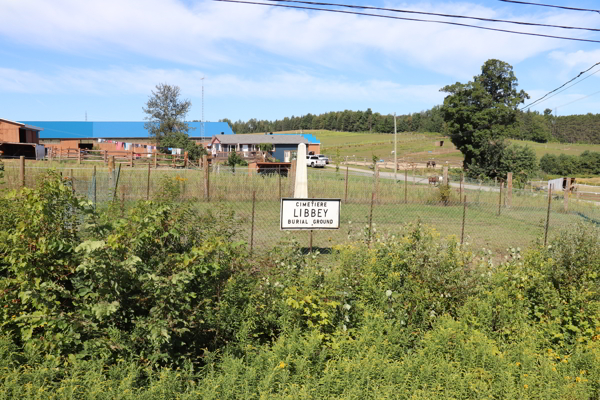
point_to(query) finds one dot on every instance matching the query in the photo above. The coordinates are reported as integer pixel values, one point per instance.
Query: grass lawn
(484, 228)
(557, 148)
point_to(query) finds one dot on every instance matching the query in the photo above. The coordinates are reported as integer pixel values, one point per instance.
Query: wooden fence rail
(125, 157)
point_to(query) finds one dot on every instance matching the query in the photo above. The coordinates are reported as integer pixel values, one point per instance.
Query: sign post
(311, 214)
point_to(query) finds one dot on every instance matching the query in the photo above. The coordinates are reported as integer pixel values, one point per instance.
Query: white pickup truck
(315, 161)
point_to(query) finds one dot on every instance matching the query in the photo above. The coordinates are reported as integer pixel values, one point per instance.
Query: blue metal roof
(110, 130)
(311, 138)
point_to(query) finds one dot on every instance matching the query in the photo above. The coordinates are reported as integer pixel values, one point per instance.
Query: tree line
(531, 125)
(346, 121)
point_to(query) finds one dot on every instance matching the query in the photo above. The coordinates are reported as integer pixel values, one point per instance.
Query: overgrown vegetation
(586, 163)
(166, 303)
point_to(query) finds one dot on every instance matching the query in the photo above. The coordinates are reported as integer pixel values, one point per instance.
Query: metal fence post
(346, 188)
(95, 185)
(22, 170)
(567, 191)
(148, 184)
(509, 188)
(376, 182)
(462, 230)
(462, 181)
(548, 216)
(371, 220)
(206, 178)
(252, 227)
(405, 186)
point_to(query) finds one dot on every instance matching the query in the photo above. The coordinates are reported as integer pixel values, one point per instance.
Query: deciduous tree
(480, 114)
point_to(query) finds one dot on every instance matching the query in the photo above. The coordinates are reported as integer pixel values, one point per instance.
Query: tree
(166, 112)
(166, 120)
(481, 114)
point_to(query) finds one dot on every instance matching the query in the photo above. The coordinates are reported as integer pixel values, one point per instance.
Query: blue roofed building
(74, 130)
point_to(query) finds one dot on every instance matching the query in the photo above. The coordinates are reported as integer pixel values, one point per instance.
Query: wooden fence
(124, 157)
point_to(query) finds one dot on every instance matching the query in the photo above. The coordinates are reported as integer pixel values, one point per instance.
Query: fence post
(155, 158)
(445, 176)
(105, 157)
(206, 178)
(371, 220)
(376, 175)
(462, 230)
(293, 177)
(148, 184)
(131, 158)
(95, 185)
(346, 187)
(122, 203)
(548, 216)
(252, 227)
(22, 171)
(500, 197)
(405, 186)
(185, 159)
(509, 187)
(310, 240)
(79, 156)
(279, 179)
(111, 164)
(567, 191)
(462, 180)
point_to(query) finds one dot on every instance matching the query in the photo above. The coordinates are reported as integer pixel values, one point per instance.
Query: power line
(435, 14)
(550, 5)
(570, 86)
(410, 19)
(560, 87)
(581, 98)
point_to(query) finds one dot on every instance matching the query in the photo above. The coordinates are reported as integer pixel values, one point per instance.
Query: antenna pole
(202, 124)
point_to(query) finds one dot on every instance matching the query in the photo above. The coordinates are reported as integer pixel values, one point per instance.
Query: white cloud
(577, 59)
(298, 85)
(211, 33)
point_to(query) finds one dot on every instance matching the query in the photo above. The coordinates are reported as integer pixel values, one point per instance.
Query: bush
(164, 302)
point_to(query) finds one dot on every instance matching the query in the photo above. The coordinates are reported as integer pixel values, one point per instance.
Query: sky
(61, 59)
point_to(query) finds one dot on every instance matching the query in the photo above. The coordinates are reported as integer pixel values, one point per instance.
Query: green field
(365, 145)
(410, 146)
(558, 148)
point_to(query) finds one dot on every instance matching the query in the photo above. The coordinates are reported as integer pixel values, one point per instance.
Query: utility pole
(202, 123)
(395, 151)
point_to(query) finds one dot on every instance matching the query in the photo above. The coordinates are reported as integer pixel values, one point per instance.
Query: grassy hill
(419, 146)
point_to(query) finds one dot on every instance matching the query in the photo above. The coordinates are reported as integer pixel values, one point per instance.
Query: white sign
(310, 214)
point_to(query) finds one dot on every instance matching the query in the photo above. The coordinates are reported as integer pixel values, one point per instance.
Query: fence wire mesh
(371, 206)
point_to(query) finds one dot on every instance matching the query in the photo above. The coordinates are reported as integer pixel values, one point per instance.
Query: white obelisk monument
(301, 188)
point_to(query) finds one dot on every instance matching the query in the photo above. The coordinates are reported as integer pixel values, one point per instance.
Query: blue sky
(61, 58)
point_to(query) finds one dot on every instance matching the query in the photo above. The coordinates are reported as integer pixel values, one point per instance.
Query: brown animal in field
(433, 180)
(430, 164)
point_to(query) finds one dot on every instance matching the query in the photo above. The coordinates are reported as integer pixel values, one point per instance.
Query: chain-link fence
(372, 206)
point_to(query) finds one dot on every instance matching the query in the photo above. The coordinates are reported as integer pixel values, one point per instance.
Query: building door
(245, 150)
